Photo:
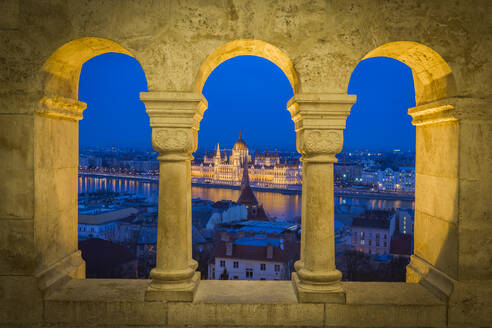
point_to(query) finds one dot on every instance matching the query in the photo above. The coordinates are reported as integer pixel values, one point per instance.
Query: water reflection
(276, 204)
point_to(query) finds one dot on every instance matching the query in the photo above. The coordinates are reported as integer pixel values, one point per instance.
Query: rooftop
(106, 217)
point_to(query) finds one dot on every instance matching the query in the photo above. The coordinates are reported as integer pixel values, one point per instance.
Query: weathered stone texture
(109, 302)
(442, 204)
(16, 247)
(317, 44)
(17, 190)
(20, 301)
(325, 40)
(437, 150)
(55, 221)
(104, 302)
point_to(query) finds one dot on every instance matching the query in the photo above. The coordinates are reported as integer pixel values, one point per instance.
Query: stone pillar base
(173, 291)
(318, 293)
(436, 281)
(70, 267)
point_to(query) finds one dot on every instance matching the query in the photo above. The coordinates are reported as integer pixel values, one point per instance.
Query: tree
(355, 262)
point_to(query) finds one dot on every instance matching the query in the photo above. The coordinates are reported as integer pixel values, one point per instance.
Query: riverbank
(339, 192)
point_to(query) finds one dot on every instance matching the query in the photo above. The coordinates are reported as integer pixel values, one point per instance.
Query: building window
(385, 236)
(362, 241)
(377, 235)
(236, 264)
(370, 242)
(377, 242)
(362, 235)
(385, 244)
(236, 277)
(262, 266)
(277, 267)
(249, 273)
(222, 263)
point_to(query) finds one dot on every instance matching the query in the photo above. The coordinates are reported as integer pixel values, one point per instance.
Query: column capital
(451, 110)
(61, 107)
(175, 120)
(319, 123)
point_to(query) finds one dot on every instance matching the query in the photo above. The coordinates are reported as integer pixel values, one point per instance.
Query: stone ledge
(244, 291)
(112, 302)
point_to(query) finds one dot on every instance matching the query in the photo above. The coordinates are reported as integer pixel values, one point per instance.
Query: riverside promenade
(297, 190)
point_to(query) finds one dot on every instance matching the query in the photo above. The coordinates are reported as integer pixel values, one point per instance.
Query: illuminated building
(265, 169)
(372, 232)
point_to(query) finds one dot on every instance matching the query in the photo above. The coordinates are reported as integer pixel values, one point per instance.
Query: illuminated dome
(240, 144)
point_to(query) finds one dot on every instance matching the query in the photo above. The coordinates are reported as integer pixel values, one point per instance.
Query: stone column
(453, 188)
(319, 122)
(174, 118)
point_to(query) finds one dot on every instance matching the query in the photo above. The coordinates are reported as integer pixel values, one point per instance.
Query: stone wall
(317, 44)
(324, 40)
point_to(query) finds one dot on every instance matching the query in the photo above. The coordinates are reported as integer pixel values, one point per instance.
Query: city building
(402, 180)
(372, 232)
(146, 249)
(113, 225)
(369, 178)
(266, 169)
(254, 250)
(405, 221)
(347, 173)
(251, 258)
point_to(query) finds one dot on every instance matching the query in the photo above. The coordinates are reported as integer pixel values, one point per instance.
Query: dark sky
(245, 93)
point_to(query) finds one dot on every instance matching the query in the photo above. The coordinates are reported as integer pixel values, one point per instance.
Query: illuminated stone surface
(317, 44)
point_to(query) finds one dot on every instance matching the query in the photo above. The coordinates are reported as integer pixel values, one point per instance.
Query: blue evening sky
(247, 94)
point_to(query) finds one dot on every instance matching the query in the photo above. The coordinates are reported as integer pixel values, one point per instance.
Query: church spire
(245, 180)
(247, 196)
(217, 153)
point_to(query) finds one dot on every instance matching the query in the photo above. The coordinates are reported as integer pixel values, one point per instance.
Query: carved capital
(175, 119)
(174, 143)
(320, 111)
(61, 107)
(319, 122)
(174, 109)
(451, 110)
(319, 145)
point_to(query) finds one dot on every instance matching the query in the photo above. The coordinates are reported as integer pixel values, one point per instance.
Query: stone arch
(245, 47)
(434, 261)
(433, 78)
(63, 67)
(56, 146)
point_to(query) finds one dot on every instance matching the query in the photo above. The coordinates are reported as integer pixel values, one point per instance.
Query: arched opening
(65, 64)
(433, 78)
(246, 158)
(227, 169)
(247, 47)
(376, 173)
(435, 158)
(56, 145)
(117, 221)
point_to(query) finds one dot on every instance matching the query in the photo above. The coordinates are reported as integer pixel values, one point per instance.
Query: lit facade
(403, 180)
(372, 232)
(265, 170)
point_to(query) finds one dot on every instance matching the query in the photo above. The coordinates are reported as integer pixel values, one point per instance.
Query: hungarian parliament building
(266, 170)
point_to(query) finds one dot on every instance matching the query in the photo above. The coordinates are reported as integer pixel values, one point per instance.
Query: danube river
(276, 204)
